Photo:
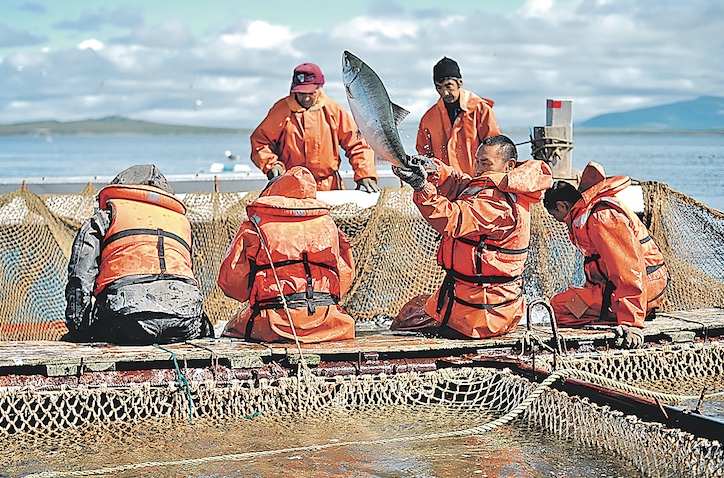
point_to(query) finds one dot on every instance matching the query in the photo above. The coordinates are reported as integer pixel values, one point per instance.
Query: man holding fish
(483, 217)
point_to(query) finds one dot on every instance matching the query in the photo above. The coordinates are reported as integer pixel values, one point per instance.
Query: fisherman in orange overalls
(292, 264)
(307, 129)
(626, 276)
(453, 128)
(130, 278)
(485, 226)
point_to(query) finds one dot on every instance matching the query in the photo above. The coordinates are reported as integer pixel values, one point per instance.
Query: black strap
(254, 268)
(161, 252)
(482, 245)
(144, 231)
(606, 300)
(480, 279)
(651, 269)
(447, 291)
(293, 301)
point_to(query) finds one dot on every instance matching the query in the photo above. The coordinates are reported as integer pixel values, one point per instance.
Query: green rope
(182, 382)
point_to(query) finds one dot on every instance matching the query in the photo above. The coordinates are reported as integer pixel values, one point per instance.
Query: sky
(225, 63)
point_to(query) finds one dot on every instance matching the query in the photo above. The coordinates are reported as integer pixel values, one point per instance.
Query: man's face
(559, 211)
(490, 159)
(307, 100)
(449, 89)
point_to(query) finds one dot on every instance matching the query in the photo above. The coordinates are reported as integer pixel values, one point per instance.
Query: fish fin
(399, 113)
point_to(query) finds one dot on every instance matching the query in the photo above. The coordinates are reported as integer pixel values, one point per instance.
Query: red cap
(306, 78)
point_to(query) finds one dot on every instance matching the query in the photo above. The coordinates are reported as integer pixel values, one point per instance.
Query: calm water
(690, 163)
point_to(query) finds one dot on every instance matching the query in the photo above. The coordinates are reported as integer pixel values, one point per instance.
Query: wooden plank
(62, 359)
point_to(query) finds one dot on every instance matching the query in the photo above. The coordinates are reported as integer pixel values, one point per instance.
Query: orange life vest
(592, 266)
(304, 245)
(481, 260)
(149, 235)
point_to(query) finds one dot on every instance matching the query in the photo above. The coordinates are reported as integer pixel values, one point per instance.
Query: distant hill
(112, 125)
(703, 113)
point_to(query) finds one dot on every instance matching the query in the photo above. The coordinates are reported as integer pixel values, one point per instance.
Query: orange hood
(529, 179)
(594, 183)
(294, 193)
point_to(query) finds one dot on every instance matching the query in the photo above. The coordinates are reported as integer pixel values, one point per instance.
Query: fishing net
(393, 246)
(305, 414)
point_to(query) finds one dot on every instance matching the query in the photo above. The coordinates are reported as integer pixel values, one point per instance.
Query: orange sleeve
(265, 139)
(423, 144)
(235, 270)
(487, 124)
(623, 258)
(361, 156)
(345, 265)
(487, 213)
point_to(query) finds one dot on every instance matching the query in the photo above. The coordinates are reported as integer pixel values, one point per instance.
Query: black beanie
(445, 68)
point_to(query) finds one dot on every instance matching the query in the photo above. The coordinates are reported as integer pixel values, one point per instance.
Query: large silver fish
(376, 116)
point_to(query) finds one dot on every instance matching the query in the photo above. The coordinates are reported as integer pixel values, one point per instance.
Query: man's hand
(628, 337)
(415, 175)
(426, 162)
(368, 185)
(275, 171)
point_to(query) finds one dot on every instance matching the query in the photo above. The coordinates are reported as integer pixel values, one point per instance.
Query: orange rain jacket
(455, 144)
(624, 267)
(293, 136)
(312, 260)
(485, 224)
(149, 234)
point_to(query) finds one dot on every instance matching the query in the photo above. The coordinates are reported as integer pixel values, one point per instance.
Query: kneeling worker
(625, 273)
(485, 226)
(292, 264)
(129, 278)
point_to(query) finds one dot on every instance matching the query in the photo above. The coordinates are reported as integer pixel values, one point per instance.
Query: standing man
(460, 120)
(306, 129)
(290, 242)
(485, 226)
(625, 273)
(130, 278)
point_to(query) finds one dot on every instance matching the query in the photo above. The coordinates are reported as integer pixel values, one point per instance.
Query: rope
(508, 417)
(641, 392)
(182, 382)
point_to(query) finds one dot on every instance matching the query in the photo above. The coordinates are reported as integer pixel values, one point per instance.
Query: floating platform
(42, 363)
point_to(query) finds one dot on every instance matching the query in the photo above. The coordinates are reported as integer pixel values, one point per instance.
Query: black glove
(275, 171)
(414, 175)
(628, 337)
(368, 185)
(426, 162)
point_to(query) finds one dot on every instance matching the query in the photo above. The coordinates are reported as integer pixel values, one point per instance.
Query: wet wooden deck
(60, 359)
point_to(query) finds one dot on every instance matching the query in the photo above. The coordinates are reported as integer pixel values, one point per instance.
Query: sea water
(690, 163)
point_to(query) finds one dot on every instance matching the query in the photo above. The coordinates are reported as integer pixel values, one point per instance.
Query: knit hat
(445, 68)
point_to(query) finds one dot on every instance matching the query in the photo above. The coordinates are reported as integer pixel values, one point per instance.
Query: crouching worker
(485, 226)
(625, 273)
(292, 264)
(129, 277)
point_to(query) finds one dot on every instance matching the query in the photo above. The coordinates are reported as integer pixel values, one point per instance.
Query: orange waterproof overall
(455, 143)
(311, 258)
(625, 273)
(486, 232)
(149, 235)
(293, 136)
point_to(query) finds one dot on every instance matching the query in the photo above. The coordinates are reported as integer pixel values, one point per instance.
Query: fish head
(351, 66)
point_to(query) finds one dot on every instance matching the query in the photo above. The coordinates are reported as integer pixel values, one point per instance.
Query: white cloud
(91, 44)
(605, 55)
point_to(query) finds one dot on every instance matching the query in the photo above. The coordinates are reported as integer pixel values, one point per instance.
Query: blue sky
(225, 62)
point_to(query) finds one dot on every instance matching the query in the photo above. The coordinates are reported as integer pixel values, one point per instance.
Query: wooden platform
(61, 359)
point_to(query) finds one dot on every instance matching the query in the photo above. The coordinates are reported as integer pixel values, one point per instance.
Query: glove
(426, 162)
(368, 185)
(414, 175)
(628, 337)
(275, 171)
